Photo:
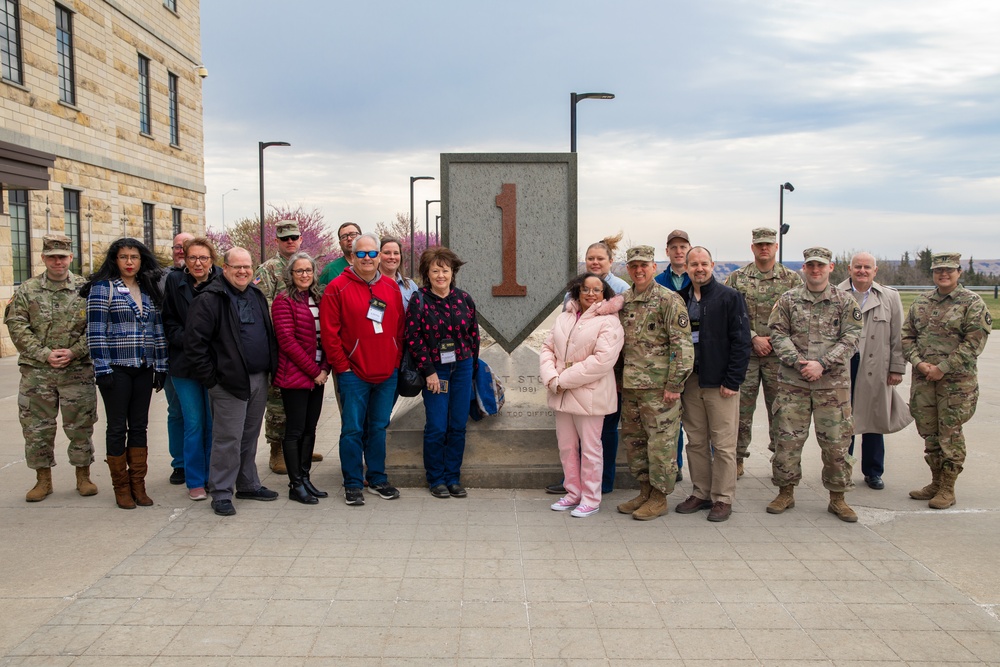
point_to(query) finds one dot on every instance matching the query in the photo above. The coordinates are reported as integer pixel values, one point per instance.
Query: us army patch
(857, 315)
(682, 320)
(988, 319)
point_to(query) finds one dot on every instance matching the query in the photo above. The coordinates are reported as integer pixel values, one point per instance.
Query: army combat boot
(638, 501)
(43, 486)
(652, 508)
(83, 484)
(277, 461)
(931, 489)
(784, 501)
(945, 496)
(840, 507)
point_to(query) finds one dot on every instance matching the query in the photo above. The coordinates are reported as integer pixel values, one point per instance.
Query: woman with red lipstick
(129, 349)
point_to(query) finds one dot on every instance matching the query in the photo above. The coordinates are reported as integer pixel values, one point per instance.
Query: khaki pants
(712, 423)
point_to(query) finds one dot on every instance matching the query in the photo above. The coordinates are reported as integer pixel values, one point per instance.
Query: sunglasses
(294, 237)
(361, 254)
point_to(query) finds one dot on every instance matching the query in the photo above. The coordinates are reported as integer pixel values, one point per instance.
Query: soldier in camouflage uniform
(47, 320)
(814, 330)
(761, 283)
(268, 280)
(658, 357)
(943, 334)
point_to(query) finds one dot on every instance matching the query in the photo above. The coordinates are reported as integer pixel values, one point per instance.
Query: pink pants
(582, 456)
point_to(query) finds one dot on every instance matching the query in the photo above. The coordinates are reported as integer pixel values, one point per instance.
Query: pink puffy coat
(580, 355)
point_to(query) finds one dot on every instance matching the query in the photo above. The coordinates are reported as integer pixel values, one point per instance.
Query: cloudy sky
(884, 115)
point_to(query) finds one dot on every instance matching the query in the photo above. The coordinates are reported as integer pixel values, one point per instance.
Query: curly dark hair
(574, 285)
(148, 276)
(438, 255)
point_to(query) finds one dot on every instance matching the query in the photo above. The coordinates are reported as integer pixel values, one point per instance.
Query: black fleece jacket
(724, 341)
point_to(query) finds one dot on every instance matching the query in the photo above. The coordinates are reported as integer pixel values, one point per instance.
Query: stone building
(100, 129)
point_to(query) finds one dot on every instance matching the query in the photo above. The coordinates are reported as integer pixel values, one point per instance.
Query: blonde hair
(609, 243)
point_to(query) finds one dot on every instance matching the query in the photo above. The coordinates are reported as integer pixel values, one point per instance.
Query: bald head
(178, 248)
(862, 270)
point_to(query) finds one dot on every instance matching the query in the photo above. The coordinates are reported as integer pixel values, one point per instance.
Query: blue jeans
(444, 427)
(194, 404)
(175, 425)
(362, 446)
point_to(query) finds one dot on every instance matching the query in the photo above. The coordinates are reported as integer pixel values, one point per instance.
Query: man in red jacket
(361, 327)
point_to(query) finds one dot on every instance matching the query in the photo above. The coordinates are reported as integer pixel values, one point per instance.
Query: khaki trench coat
(878, 407)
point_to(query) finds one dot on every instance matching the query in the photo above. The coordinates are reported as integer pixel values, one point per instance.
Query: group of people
(229, 345)
(691, 349)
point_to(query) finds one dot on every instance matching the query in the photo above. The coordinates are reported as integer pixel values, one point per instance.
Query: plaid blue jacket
(118, 335)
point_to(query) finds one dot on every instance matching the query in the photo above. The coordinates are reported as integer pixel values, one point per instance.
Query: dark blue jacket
(724, 338)
(664, 279)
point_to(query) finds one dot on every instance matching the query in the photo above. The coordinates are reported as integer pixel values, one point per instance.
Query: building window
(10, 40)
(148, 227)
(64, 55)
(145, 121)
(171, 5)
(20, 234)
(71, 221)
(175, 123)
(176, 213)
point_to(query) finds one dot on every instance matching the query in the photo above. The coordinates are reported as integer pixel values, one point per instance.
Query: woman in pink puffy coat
(577, 367)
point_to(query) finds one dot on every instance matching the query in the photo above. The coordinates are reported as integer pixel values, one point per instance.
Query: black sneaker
(223, 507)
(177, 476)
(384, 490)
(263, 493)
(354, 497)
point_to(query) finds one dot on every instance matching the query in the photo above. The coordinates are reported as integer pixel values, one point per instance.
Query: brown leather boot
(945, 496)
(840, 507)
(277, 461)
(120, 482)
(784, 501)
(83, 484)
(931, 489)
(637, 502)
(652, 508)
(43, 486)
(137, 474)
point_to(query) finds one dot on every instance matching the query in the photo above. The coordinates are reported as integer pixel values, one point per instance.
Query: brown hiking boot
(120, 482)
(83, 484)
(136, 457)
(43, 486)
(784, 501)
(840, 507)
(945, 496)
(739, 468)
(277, 462)
(652, 508)
(930, 490)
(637, 502)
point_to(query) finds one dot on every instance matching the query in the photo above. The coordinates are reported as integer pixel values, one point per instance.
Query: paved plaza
(497, 578)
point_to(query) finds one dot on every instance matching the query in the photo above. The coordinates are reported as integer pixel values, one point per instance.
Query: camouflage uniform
(760, 290)
(658, 356)
(43, 316)
(948, 331)
(268, 279)
(822, 327)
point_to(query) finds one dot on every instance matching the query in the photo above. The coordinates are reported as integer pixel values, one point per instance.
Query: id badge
(447, 350)
(376, 310)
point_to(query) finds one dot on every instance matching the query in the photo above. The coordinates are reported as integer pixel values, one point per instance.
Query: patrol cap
(56, 244)
(817, 254)
(677, 234)
(764, 235)
(287, 228)
(946, 260)
(640, 253)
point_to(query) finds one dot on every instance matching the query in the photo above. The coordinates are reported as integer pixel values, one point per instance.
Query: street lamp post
(413, 231)
(573, 99)
(427, 221)
(261, 145)
(224, 206)
(437, 231)
(782, 227)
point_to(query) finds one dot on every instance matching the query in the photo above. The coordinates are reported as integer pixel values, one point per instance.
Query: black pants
(872, 444)
(127, 408)
(302, 410)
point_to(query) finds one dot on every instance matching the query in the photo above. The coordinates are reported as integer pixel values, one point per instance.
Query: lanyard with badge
(448, 347)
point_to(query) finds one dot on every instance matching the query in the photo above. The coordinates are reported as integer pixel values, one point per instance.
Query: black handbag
(409, 381)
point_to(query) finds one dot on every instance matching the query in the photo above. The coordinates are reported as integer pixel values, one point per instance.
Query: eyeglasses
(293, 237)
(179, 246)
(240, 267)
(129, 258)
(202, 259)
(591, 290)
(302, 272)
(361, 254)
(349, 236)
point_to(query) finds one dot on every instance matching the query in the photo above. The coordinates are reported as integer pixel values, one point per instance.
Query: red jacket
(349, 337)
(295, 329)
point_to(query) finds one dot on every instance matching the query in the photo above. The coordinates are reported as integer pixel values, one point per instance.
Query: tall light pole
(427, 221)
(261, 146)
(573, 99)
(437, 231)
(413, 231)
(224, 206)
(782, 227)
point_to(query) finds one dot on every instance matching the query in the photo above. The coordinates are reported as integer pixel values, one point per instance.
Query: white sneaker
(563, 504)
(584, 510)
